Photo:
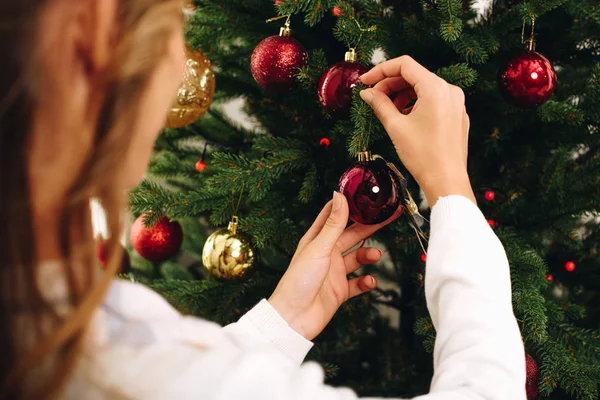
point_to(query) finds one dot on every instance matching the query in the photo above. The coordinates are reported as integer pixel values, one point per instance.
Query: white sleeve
(151, 352)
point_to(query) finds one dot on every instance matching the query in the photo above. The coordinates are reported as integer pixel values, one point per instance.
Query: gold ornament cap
(365, 156)
(285, 31)
(233, 225)
(350, 56)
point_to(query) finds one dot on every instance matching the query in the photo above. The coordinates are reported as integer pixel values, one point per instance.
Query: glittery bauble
(276, 61)
(532, 377)
(527, 80)
(158, 243)
(196, 93)
(102, 254)
(372, 190)
(228, 255)
(335, 87)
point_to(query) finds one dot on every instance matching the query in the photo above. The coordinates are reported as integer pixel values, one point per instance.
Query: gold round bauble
(228, 255)
(196, 93)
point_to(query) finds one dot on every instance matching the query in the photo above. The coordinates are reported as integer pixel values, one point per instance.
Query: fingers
(361, 285)
(382, 106)
(358, 232)
(403, 98)
(360, 257)
(316, 227)
(414, 73)
(335, 224)
(392, 85)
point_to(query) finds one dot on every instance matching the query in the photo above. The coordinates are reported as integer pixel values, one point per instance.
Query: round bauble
(527, 80)
(276, 60)
(196, 93)
(158, 243)
(532, 377)
(227, 254)
(373, 191)
(335, 87)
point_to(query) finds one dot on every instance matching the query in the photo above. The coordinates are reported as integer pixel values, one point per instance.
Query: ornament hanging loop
(233, 225)
(530, 41)
(285, 30)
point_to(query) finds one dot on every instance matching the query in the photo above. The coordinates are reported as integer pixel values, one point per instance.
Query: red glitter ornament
(549, 277)
(101, 253)
(337, 11)
(490, 195)
(527, 80)
(200, 165)
(158, 243)
(372, 190)
(324, 142)
(570, 266)
(492, 223)
(335, 87)
(276, 60)
(424, 257)
(532, 377)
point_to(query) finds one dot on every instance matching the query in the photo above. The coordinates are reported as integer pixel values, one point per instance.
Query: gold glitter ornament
(227, 254)
(196, 93)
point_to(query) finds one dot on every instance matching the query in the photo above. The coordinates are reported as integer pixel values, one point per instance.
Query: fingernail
(337, 201)
(366, 95)
(372, 282)
(380, 253)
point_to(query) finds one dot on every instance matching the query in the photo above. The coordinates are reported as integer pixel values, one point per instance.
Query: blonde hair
(144, 27)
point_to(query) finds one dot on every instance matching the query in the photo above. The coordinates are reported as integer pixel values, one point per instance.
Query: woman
(84, 91)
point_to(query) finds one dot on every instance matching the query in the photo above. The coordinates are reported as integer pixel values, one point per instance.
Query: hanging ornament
(324, 142)
(532, 377)
(490, 195)
(158, 243)
(227, 254)
(335, 87)
(102, 254)
(200, 164)
(570, 266)
(527, 79)
(196, 93)
(277, 59)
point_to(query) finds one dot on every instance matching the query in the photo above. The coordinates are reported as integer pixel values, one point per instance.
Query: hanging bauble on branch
(532, 377)
(372, 189)
(527, 79)
(335, 87)
(277, 59)
(227, 254)
(159, 242)
(196, 93)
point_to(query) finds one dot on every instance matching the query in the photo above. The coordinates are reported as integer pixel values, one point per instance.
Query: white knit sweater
(141, 348)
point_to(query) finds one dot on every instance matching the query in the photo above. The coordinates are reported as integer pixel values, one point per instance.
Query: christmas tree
(530, 71)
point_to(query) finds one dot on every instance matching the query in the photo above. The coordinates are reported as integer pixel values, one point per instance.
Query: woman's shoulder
(135, 301)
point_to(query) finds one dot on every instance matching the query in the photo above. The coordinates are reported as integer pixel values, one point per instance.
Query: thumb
(382, 106)
(335, 224)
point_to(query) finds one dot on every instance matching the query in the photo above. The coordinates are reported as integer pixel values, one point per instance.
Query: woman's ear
(96, 27)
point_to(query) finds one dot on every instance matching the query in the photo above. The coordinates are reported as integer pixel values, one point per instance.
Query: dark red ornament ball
(200, 165)
(424, 257)
(324, 142)
(335, 87)
(102, 254)
(276, 60)
(372, 190)
(337, 11)
(158, 243)
(527, 80)
(490, 195)
(549, 277)
(492, 223)
(570, 266)
(532, 377)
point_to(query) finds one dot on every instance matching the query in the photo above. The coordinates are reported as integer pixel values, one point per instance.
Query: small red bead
(424, 257)
(337, 11)
(549, 278)
(324, 142)
(277, 2)
(200, 166)
(490, 195)
(570, 266)
(492, 223)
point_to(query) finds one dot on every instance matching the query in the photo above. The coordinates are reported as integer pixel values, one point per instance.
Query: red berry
(549, 278)
(200, 166)
(424, 257)
(570, 266)
(492, 223)
(337, 11)
(277, 2)
(324, 142)
(490, 195)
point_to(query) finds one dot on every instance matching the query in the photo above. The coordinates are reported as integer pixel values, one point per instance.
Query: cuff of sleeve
(274, 328)
(455, 209)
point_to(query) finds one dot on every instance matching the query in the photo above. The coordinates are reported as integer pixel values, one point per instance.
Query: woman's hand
(315, 284)
(431, 137)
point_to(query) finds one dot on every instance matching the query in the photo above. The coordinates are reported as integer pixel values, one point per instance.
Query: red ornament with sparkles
(324, 142)
(158, 243)
(532, 377)
(101, 253)
(570, 266)
(527, 80)
(372, 190)
(490, 195)
(335, 87)
(276, 61)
